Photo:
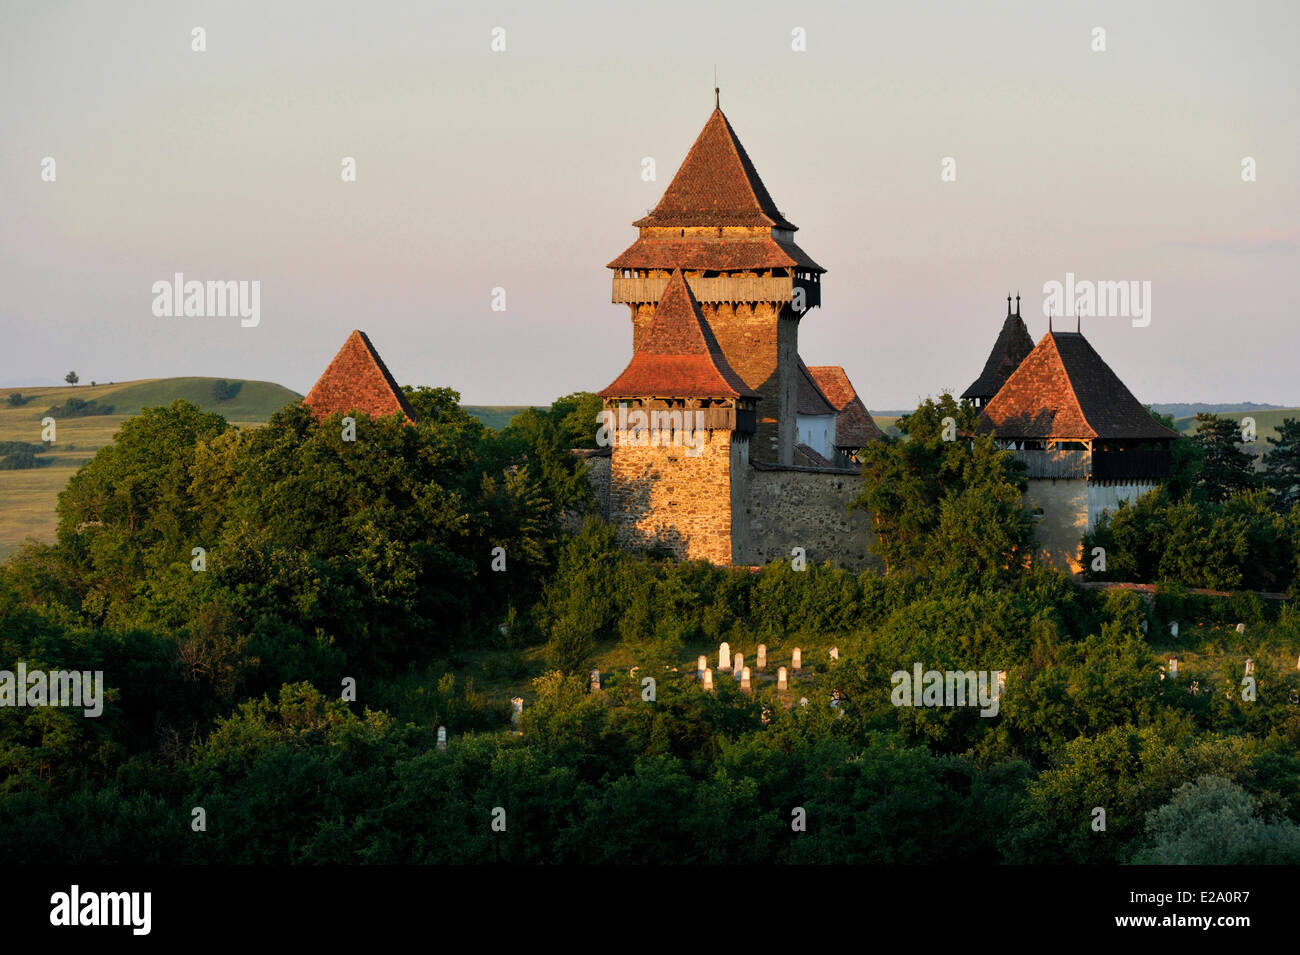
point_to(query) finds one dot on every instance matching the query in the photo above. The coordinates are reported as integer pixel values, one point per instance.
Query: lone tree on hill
(71, 378)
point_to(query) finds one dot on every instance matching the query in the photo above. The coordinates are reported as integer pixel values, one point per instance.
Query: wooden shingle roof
(717, 185)
(1013, 345)
(752, 252)
(357, 380)
(1064, 390)
(854, 426)
(679, 356)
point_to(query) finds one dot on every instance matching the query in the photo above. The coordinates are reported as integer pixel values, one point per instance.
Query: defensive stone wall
(805, 507)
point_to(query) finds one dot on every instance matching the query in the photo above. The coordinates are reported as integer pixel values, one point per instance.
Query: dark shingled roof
(1011, 348)
(854, 426)
(357, 380)
(717, 185)
(1064, 390)
(809, 399)
(807, 457)
(679, 357)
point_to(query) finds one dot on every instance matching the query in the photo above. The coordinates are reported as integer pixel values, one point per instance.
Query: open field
(28, 497)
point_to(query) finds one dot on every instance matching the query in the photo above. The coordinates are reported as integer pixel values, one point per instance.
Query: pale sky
(522, 170)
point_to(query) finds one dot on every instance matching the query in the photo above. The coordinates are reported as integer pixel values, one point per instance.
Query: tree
(1213, 821)
(71, 378)
(1225, 468)
(1282, 464)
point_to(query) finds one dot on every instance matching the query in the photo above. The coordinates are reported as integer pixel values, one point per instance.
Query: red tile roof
(357, 380)
(1013, 345)
(854, 426)
(716, 185)
(679, 356)
(724, 254)
(1064, 390)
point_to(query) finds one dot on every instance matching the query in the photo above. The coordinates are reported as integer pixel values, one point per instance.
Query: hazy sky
(522, 169)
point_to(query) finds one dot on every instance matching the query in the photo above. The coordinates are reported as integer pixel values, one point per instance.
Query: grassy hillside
(1266, 424)
(28, 498)
(495, 416)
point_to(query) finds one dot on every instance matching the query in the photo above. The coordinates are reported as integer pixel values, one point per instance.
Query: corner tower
(717, 223)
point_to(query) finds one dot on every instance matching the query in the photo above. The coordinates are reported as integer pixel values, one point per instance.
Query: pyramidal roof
(717, 185)
(679, 356)
(358, 380)
(1013, 345)
(854, 426)
(1064, 390)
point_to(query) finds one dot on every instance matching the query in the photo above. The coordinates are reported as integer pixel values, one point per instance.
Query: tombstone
(1241, 628)
(762, 655)
(1173, 630)
(781, 682)
(724, 657)
(595, 681)
(708, 680)
(745, 686)
(1173, 666)
(835, 653)
(701, 665)
(442, 737)
(516, 710)
(739, 665)
(796, 661)
(1250, 667)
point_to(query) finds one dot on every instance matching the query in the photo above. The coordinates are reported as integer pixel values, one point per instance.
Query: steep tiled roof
(809, 399)
(679, 356)
(854, 426)
(716, 185)
(1010, 349)
(762, 252)
(357, 380)
(1064, 389)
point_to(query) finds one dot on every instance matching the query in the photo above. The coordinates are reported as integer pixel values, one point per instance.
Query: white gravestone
(796, 661)
(740, 665)
(762, 655)
(724, 657)
(708, 679)
(781, 682)
(744, 680)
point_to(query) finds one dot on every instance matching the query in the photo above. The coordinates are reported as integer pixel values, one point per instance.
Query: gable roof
(1064, 389)
(809, 399)
(679, 356)
(717, 185)
(1013, 345)
(357, 380)
(854, 426)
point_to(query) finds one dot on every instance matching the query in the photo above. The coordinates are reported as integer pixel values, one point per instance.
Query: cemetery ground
(472, 689)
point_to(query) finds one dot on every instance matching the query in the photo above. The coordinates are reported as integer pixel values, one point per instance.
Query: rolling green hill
(28, 497)
(1266, 424)
(496, 416)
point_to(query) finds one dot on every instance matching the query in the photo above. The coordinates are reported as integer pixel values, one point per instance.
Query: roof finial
(1017, 304)
(1008, 305)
